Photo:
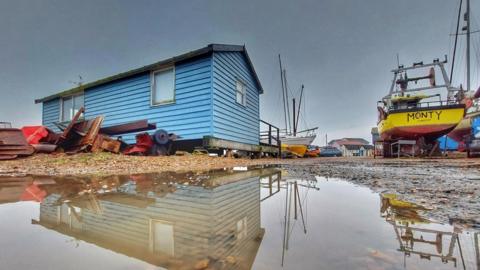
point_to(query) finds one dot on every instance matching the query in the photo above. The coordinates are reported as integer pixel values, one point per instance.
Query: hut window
(162, 237)
(241, 90)
(163, 86)
(70, 106)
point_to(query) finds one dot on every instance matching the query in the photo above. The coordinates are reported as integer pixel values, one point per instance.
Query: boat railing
(426, 104)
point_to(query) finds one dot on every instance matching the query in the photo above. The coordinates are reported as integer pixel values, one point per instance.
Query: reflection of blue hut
(190, 224)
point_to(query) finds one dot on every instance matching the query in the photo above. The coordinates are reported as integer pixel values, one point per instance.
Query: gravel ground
(451, 187)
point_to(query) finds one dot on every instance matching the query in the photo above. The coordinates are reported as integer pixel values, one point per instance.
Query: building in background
(353, 147)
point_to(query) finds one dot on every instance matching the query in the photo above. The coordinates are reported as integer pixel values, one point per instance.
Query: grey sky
(341, 50)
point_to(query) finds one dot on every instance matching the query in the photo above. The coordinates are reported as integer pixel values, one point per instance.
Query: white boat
(291, 140)
(306, 139)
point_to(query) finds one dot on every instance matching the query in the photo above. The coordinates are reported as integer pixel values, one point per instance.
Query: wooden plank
(212, 142)
(136, 126)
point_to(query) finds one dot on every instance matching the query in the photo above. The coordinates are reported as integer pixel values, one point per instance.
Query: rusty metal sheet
(6, 157)
(82, 135)
(12, 136)
(26, 151)
(136, 126)
(106, 143)
(11, 147)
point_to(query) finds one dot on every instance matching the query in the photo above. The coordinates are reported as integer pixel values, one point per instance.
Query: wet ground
(263, 218)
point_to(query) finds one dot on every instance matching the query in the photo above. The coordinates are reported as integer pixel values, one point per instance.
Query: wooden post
(294, 122)
(279, 144)
(269, 135)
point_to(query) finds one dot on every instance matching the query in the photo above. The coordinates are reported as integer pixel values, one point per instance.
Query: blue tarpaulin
(447, 143)
(476, 127)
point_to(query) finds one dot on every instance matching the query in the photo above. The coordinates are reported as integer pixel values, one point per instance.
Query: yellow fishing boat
(405, 116)
(406, 120)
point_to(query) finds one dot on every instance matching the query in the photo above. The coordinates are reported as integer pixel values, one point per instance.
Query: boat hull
(298, 150)
(464, 128)
(306, 140)
(413, 124)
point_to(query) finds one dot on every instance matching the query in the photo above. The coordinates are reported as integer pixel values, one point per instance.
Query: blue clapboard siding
(129, 100)
(231, 120)
(51, 114)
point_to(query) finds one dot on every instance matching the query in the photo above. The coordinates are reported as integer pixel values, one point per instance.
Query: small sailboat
(292, 139)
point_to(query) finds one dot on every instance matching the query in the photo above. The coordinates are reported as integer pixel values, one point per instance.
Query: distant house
(210, 92)
(353, 147)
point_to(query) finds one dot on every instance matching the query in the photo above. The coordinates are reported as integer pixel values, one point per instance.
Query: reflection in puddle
(169, 220)
(419, 236)
(229, 219)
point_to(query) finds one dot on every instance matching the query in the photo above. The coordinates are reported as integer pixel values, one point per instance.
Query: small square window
(241, 93)
(70, 106)
(163, 86)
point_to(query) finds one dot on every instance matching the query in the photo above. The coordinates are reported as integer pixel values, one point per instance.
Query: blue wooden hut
(210, 93)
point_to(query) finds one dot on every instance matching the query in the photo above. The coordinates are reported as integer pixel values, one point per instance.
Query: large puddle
(229, 219)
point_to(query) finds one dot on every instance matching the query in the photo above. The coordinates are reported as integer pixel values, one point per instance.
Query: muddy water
(229, 219)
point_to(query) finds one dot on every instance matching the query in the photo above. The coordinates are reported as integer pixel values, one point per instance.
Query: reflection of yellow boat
(394, 202)
(296, 149)
(401, 211)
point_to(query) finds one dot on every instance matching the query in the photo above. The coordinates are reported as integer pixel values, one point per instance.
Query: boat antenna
(398, 60)
(283, 91)
(456, 40)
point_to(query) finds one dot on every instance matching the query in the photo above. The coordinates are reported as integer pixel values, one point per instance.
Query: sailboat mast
(467, 18)
(283, 92)
(286, 98)
(456, 40)
(294, 121)
(299, 106)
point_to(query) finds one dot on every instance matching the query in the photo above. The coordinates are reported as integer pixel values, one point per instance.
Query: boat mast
(467, 18)
(286, 98)
(294, 119)
(456, 40)
(299, 106)
(283, 92)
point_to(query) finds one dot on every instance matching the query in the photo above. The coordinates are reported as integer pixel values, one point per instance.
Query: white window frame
(244, 93)
(73, 99)
(152, 87)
